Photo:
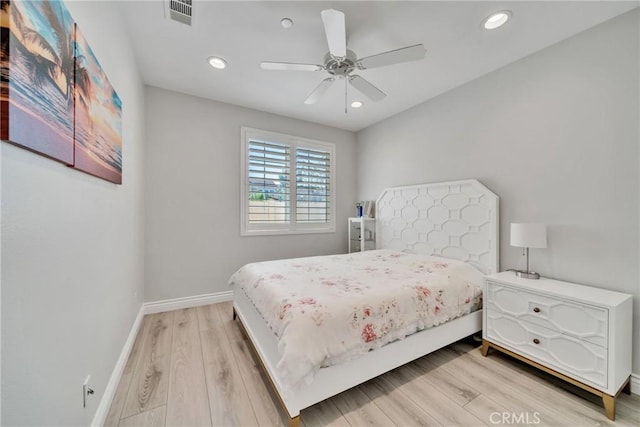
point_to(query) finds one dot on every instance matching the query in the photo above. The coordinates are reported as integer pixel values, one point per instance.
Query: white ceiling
(173, 56)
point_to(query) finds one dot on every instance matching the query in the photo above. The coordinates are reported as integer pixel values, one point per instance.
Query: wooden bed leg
(294, 422)
(235, 315)
(485, 348)
(609, 406)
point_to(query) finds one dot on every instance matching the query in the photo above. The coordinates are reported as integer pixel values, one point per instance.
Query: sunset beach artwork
(55, 98)
(36, 77)
(98, 117)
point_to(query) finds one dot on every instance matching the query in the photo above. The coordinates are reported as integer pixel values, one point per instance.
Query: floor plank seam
(206, 383)
(200, 332)
(166, 398)
(235, 362)
(173, 321)
(140, 413)
(472, 400)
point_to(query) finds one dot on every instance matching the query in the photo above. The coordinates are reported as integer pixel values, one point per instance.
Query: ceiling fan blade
(366, 88)
(405, 54)
(319, 91)
(289, 66)
(334, 28)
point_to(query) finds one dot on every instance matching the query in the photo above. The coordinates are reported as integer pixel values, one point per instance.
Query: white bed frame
(453, 219)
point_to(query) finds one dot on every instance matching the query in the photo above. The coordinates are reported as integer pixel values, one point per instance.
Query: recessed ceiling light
(218, 63)
(496, 20)
(286, 23)
(356, 104)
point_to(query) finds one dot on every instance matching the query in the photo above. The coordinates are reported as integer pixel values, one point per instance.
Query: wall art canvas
(36, 77)
(98, 117)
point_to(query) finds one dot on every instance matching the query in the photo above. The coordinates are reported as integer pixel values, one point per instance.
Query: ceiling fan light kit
(341, 63)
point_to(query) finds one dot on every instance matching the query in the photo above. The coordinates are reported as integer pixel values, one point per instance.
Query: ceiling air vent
(180, 10)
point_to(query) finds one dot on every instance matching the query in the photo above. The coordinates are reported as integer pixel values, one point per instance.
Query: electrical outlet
(86, 391)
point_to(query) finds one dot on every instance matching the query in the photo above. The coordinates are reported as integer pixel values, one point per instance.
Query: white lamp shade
(528, 235)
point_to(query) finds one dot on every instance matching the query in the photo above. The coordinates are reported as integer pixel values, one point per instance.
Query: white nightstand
(578, 333)
(362, 234)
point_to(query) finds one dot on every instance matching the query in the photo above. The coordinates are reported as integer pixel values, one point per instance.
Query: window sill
(249, 233)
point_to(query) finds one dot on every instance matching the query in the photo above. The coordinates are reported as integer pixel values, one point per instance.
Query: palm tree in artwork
(82, 79)
(67, 64)
(39, 56)
(64, 61)
(45, 62)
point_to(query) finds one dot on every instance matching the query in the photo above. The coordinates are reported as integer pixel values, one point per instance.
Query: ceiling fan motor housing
(340, 67)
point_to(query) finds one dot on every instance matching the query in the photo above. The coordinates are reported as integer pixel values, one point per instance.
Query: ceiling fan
(341, 63)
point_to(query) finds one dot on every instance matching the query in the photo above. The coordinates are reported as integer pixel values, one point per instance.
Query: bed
(448, 230)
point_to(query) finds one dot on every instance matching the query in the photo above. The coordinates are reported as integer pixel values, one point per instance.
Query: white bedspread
(329, 309)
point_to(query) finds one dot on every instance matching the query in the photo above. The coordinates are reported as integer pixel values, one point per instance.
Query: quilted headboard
(457, 219)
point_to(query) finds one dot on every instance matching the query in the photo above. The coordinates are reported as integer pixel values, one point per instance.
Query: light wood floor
(192, 367)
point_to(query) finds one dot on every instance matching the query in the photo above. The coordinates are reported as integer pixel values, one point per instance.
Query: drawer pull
(536, 309)
(536, 341)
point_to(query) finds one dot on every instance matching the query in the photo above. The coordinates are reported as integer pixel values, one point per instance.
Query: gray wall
(556, 136)
(72, 248)
(192, 194)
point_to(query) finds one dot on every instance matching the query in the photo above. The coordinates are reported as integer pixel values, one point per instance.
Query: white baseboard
(186, 302)
(110, 390)
(148, 308)
(635, 384)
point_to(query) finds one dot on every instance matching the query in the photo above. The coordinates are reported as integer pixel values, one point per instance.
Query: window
(287, 184)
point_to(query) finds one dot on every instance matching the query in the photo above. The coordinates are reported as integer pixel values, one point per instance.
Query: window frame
(292, 227)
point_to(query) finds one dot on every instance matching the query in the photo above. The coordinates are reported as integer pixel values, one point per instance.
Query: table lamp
(528, 235)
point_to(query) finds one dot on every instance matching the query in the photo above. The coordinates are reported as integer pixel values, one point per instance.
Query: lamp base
(527, 274)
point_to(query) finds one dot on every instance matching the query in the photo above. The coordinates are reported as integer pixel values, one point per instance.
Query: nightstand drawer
(581, 321)
(568, 355)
